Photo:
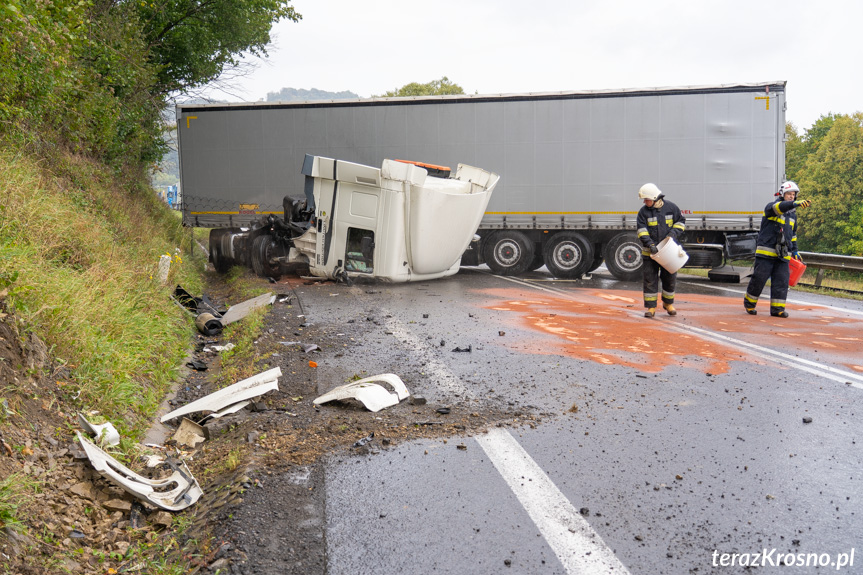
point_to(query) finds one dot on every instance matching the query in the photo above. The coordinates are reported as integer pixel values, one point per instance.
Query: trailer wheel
(264, 248)
(568, 255)
(508, 252)
(623, 257)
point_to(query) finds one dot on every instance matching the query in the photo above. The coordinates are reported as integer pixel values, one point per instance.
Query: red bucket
(795, 271)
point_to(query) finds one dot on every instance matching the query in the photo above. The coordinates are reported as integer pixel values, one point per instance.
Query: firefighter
(657, 219)
(777, 243)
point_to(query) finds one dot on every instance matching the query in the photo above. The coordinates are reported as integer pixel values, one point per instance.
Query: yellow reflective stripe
(652, 223)
(642, 233)
(649, 297)
(777, 303)
(750, 299)
(766, 252)
(776, 209)
(679, 226)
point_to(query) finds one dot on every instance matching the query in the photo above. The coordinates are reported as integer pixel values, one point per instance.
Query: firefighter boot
(650, 312)
(669, 308)
(782, 313)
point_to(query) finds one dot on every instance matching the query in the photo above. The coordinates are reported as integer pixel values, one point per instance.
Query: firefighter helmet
(786, 187)
(649, 192)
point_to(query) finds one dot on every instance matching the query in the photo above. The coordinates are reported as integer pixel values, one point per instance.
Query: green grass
(79, 255)
(14, 491)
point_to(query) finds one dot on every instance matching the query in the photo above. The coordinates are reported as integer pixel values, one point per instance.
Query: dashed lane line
(579, 548)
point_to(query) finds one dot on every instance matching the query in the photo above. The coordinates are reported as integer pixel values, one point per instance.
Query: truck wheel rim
(628, 257)
(508, 253)
(567, 255)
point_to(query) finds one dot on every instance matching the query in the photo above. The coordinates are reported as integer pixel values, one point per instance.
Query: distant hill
(303, 95)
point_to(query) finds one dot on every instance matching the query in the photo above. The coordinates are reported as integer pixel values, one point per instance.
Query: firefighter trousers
(775, 270)
(653, 275)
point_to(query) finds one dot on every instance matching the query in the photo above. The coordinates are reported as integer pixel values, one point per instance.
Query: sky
(505, 46)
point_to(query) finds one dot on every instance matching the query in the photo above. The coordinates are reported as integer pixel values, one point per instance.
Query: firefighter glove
(795, 254)
(802, 203)
(653, 249)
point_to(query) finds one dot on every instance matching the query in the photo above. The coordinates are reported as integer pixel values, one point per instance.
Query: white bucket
(670, 255)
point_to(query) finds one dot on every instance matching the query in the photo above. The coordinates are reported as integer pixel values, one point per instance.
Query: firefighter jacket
(658, 222)
(777, 237)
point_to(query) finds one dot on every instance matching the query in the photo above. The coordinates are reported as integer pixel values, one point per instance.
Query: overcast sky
(505, 46)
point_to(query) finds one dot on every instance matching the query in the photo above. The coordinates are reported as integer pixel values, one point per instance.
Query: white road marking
(806, 365)
(812, 367)
(433, 366)
(767, 296)
(578, 547)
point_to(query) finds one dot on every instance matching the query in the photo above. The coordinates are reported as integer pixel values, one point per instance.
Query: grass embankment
(79, 255)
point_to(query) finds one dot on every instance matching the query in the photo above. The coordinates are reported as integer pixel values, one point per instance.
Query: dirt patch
(261, 470)
(272, 456)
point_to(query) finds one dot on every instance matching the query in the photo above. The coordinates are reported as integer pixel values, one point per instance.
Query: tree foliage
(831, 175)
(192, 41)
(440, 87)
(94, 75)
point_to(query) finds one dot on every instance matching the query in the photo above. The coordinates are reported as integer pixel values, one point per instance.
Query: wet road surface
(666, 446)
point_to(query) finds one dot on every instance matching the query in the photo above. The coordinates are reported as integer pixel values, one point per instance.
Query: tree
(795, 152)
(434, 88)
(193, 41)
(832, 177)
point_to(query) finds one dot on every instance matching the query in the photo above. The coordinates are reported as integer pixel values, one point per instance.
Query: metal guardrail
(824, 262)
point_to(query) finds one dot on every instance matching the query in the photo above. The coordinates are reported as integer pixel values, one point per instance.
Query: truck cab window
(359, 251)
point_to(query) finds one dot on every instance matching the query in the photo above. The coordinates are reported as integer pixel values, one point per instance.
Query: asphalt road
(684, 444)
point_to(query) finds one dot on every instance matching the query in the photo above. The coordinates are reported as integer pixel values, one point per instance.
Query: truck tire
(567, 255)
(220, 263)
(623, 257)
(265, 247)
(508, 252)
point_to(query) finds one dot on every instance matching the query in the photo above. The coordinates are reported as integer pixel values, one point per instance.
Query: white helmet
(649, 192)
(788, 186)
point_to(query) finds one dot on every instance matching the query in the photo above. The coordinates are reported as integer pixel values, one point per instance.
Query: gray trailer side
(570, 163)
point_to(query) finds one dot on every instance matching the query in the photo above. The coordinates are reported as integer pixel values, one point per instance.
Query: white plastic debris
(164, 268)
(241, 310)
(233, 394)
(105, 433)
(173, 493)
(375, 397)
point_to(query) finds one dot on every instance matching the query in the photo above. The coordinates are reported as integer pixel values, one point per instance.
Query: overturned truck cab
(404, 221)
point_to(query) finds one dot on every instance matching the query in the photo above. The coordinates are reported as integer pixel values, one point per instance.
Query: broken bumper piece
(173, 493)
(231, 395)
(375, 397)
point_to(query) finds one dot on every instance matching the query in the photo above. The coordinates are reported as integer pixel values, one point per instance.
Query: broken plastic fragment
(375, 397)
(364, 440)
(241, 310)
(233, 394)
(190, 434)
(105, 433)
(173, 493)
